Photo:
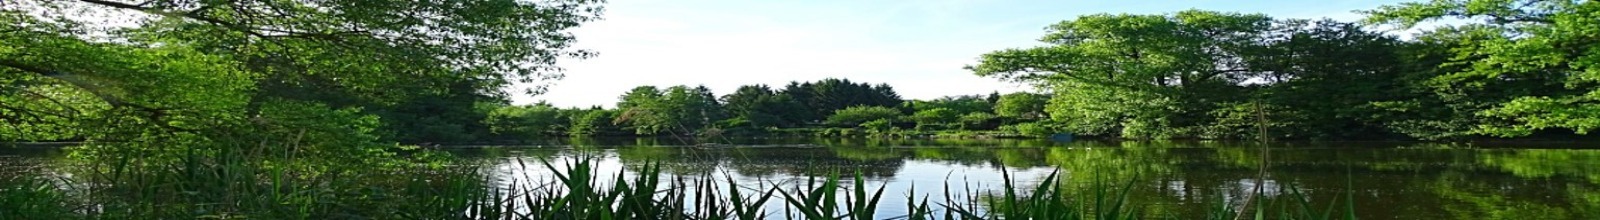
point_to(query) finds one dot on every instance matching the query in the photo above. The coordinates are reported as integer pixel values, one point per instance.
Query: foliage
(977, 120)
(960, 104)
(593, 122)
(1036, 129)
(762, 107)
(1540, 51)
(642, 109)
(539, 119)
(878, 125)
(1137, 75)
(854, 116)
(266, 109)
(240, 180)
(1021, 105)
(823, 97)
(33, 197)
(191, 72)
(452, 117)
(1186, 74)
(935, 118)
(678, 110)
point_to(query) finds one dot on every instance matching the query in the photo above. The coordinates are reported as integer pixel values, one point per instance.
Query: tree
(960, 104)
(1318, 78)
(1021, 105)
(692, 108)
(762, 107)
(528, 121)
(978, 120)
(592, 122)
(217, 69)
(1541, 54)
(1137, 76)
(439, 117)
(935, 118)
(645, 111)
(1205, 74)
(679, 109)
(878, 125)
(854, 116)
(824, 97)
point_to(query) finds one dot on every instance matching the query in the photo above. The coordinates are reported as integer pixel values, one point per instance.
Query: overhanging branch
(190, 14)
(28, 68)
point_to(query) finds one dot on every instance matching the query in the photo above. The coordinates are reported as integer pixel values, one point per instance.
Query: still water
(1173, 179)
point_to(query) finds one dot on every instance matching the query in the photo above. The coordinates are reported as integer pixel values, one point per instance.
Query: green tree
(1021, 105)
(217, 69)
(692, 108)
(592, 122)
(937, 118)
(439, 117)
(527, 121)
(760, 106)
(678, 110)
(978, 121)
(645, 111)
(960, 104)
(1139, 76)
(824, 97)
(1540, 51)
(878, 125)
(1317, 78)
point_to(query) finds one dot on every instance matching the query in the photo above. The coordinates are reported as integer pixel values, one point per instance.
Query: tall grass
(28, 197)
(232, 187)
(236, 185)
(577, 192)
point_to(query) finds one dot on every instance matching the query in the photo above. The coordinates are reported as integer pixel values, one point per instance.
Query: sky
(916, 46)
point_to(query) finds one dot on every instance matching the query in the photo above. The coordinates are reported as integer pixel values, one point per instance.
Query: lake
(1386, 180)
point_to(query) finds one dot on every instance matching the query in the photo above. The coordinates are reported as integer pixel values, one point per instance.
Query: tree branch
(197, 11)
(117, 4)
(190, 15)
(108, 98)
(28, 68)
(53, 100)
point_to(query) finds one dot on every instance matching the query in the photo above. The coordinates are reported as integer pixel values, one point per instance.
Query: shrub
(1035, 129)
(854, 116)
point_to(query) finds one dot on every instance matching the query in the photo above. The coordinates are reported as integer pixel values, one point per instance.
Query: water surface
(1177, 179)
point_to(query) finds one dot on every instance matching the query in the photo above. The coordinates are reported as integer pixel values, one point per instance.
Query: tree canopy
(210, 69)
(1520, 70)
(1540, 54)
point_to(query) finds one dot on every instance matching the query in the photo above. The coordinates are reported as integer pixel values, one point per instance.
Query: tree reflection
(1168, 178)
(1545, 163)
(1466, 197)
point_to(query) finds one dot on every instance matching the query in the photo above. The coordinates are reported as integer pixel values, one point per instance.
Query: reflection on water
(1386, 180)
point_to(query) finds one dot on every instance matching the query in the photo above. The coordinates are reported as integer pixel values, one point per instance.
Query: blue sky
(916, 46)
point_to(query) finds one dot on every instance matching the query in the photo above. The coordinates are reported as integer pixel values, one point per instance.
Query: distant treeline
(763, 110)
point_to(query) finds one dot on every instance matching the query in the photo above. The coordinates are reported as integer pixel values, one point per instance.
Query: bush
(854, 116)
(877, 125)
(846, 132)
(938, 117)
(977, 120)
(1035, 129)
